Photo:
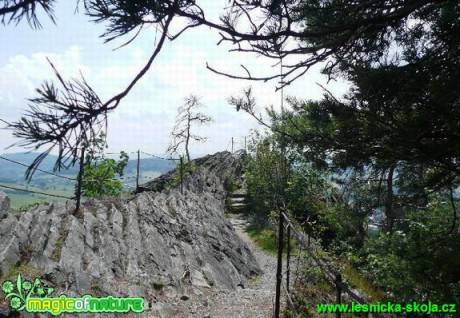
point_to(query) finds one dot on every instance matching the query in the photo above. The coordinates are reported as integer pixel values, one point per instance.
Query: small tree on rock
(187, 115)
(100, 173)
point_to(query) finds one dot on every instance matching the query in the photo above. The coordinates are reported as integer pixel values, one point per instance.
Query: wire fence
(10, 187)
(128, 181)
(235, 144)
(46, 172)
(332, 275)
(35, 192)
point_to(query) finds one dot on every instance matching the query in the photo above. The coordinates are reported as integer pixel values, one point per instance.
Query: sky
(145, 118)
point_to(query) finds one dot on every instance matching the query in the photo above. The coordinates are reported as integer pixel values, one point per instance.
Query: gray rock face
(153, 244)
(4, 205)
(224, 165)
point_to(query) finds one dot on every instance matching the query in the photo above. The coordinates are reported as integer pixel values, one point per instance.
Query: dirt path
(255, 300)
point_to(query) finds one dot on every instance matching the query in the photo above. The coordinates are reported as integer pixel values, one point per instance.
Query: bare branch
(19, 9)
(61, 116)
(187, 116)
(65, 118)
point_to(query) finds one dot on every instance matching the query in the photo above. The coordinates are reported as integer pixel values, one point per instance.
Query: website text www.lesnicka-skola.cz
(387, 307)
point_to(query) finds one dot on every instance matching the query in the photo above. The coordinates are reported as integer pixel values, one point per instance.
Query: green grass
(21, 198)
(267, 239)
(356, 279)
(27, 271)
(264, 238)
(18, 201)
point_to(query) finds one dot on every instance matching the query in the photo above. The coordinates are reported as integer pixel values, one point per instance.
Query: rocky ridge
(163, 246)
(224, 165)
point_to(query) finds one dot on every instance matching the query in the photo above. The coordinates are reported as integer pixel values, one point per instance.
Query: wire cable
(47, 172)
(158, 157)
(37, 192)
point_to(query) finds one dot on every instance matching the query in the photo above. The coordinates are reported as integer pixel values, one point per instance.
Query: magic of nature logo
(25, 295)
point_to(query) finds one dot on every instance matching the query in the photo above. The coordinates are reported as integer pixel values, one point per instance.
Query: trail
(256, 300)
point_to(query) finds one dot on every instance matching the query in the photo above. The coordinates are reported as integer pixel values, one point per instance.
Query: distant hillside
(10, 171)
(151, 164)
(12, 176)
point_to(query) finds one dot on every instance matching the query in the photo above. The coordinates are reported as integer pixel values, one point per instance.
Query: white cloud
(22, 74)
(145, 117)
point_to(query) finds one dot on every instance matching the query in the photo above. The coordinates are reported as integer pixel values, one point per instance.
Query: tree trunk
(189, 164)
(389, 201)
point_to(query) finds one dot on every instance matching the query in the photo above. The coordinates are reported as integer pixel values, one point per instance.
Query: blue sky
(145, 118)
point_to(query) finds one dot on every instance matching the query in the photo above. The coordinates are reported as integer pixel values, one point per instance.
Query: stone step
(237, 200)
(237, 195)
(237, 205)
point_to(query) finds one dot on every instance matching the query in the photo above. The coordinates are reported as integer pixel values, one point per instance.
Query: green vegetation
(180, 172)
(411, 263)
(99, 177)
(356, 279)
(402, 262)
(63, 232)
(266, 238)
(231, 184)
(312, 289)
(384, 156)
(26, 271)
(21, 200)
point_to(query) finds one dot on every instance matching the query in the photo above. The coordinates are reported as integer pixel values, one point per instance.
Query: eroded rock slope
(152, 244)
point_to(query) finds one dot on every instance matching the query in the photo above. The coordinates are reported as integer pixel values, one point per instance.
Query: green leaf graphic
(40, 289)
(19, 285)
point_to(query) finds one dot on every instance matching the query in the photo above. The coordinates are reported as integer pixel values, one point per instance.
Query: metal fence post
(338, 282)
(138, 168)
(279, 269)
(288, 256)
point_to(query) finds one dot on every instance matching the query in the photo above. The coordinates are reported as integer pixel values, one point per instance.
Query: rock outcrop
(151, 245)
(4, 205)
(224, 165)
